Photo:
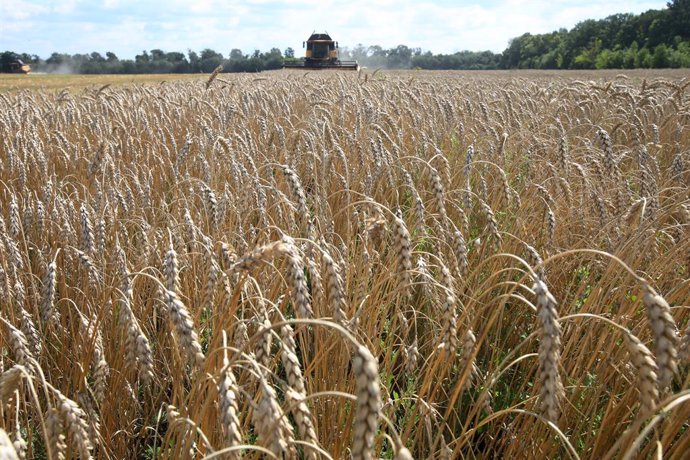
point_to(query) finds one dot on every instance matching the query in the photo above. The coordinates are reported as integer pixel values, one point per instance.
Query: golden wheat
(348, 266)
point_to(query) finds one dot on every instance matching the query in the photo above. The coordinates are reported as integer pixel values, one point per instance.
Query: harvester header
(321, 53)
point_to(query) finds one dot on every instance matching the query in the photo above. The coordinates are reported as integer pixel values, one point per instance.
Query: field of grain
(347, 265)
(58, 82)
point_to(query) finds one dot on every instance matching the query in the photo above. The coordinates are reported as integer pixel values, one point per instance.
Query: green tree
(142, 58)
(630, 55)
(399, 57)
(273, 59)
(193, 59)
(660, 58)
(177, 62)
(236, 54)
(588, 57)
(57, 59)
(679, 18)
(209, 60)
(157, 55)
(643, 58)
(609, 59)
(512, 55)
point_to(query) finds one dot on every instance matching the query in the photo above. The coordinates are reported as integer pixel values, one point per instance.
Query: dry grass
(407, 265)
(43, 81)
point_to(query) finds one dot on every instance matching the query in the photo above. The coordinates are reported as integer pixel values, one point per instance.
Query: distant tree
(608, 59)
(236, 54)
(289, 53)
(157, 55)
(208, 53)
(359, 52)
(399, 57)
(158, 62)
(273, 59)
(249, 63)
(643, 58)
(177, 62)
(680, 57)
(57, 59)
(660, 58)
(28, 58)
(175, 57)
(588, 57)
(376, 56)
(512, 55)
(209, 60)
(142, 58)
(193, 61)
(630, 55)
(127, 67)
(376, 50)
(462, 60)
(111, 57)
(658, 31)
(679, 18)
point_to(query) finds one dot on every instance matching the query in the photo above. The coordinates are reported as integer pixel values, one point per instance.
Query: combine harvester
(322, 53)
(14, 66)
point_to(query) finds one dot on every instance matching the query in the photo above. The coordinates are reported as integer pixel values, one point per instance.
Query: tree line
(154, 61)
(655, 38)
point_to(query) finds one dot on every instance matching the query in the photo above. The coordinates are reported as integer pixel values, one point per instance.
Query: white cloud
(129, 26)
(14, 10)
(64, 6)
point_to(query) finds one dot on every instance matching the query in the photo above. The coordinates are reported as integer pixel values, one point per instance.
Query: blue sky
(127, 27)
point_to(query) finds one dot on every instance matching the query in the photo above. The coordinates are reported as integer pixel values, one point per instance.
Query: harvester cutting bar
(349, 65)
(295, 65)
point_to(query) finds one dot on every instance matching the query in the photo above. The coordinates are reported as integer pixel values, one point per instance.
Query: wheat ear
(183, 327)
(227, 395)
(551, 389)
(647, 373)
(271, 424)
(296, 392)
(7, 449)
(665, 335)
(368, 408)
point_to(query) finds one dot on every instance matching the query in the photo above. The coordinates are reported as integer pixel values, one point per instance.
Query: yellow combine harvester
(322, 53)
(15, 66)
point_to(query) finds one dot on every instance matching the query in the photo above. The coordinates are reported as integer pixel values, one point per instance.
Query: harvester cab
(321, 53)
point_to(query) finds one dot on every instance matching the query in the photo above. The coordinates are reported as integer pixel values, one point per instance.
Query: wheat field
(361, 265)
